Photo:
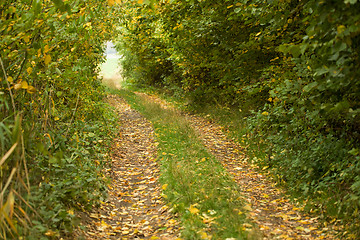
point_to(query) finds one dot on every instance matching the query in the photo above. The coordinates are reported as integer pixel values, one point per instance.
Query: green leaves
(310, 86)
(48, 77)
(350, 1)
(62, 6)
(294, 61)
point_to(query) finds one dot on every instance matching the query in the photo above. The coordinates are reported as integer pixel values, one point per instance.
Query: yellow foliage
(193, 209)
(47, 59)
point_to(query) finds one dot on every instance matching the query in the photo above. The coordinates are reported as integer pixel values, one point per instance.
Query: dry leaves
(134, 209)
(267, 206)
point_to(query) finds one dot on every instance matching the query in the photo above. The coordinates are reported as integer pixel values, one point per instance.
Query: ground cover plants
(54, 124)
(288, 67)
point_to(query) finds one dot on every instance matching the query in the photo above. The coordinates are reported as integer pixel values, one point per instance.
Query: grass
(195, 183)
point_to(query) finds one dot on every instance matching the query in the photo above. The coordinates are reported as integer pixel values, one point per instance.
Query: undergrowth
(54, 124)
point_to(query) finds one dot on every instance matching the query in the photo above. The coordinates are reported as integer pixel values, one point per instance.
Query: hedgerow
(290, 66)
(54, 125)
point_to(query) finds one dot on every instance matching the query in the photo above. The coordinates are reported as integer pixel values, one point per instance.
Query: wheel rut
(267, 205)
(134, 208)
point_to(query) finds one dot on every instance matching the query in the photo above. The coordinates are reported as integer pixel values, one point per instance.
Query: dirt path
(268, 205)
(134, 209)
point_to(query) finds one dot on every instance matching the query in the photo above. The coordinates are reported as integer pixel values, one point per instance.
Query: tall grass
(14, 179)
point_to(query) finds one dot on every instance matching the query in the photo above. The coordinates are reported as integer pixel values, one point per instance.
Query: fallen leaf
(247, 207)
(193, 209)
(203, 235)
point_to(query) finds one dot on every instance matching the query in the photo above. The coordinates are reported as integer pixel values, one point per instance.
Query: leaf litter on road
(267, 205)
(134, 208)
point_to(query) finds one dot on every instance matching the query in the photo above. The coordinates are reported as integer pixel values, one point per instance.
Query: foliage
(53, 127)
(289, 66)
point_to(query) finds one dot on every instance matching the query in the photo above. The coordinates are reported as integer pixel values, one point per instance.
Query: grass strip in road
(195, 183)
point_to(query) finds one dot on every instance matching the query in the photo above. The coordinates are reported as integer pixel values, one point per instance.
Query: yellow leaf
(95, 215)
(10, 204)
(17, 86)
(247, 225)
(31, 89)
(46, 48)
(193, 209)
(70, 211)
(172, 222)
(104, 225)
(247, 207)
(12, 9)
(10, 79)
(118, 1)
(304, 222)
(300, 228)
(47, 59)
(24, 85)
(341, 29)
(203, 235)
(164, 186)
(111, 2)
(27, 39)
(29, 70)
(50, 233)
(154, 237)
(140, 1)
(265, 113)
